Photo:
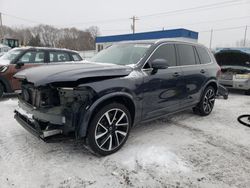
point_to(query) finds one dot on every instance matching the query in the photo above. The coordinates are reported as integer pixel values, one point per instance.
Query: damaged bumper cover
(31, 119)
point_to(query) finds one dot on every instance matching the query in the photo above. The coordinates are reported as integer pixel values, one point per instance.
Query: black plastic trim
(27, 126)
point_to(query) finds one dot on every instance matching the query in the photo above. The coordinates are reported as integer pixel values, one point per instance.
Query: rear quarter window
(203, 55)
(57, 56)
(76, 57)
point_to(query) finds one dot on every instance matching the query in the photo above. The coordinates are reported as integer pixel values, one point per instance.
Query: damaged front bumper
(41, 123)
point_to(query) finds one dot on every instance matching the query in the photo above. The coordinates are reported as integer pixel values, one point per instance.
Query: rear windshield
(233, 58)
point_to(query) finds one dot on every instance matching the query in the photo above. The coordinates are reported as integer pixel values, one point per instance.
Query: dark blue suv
(123, 85)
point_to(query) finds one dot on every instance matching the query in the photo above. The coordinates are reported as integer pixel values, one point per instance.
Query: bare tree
(50, 36)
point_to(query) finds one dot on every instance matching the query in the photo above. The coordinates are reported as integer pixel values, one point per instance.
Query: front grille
(40, 97)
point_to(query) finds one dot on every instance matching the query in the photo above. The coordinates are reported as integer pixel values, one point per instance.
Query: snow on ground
(183, 150)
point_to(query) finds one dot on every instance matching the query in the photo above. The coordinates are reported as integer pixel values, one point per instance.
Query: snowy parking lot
(182, 150)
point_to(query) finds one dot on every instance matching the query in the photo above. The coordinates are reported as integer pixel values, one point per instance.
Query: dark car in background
(235, 68)
(19, 59)
(123, 85)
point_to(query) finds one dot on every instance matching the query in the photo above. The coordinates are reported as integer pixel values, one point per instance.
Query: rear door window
(186, 54)
(58, 56)
(203, 55)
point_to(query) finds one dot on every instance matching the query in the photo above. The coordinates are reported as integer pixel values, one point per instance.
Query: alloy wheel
(208, 102)
(111, 129)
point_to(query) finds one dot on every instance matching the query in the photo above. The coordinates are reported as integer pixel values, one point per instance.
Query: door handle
(176, 74)
(203, 71)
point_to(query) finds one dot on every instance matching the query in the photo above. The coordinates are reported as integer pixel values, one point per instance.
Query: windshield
(11, 55)
(122, 54)
(233, 58)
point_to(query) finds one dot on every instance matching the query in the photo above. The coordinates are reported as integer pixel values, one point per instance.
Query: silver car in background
(235, 68)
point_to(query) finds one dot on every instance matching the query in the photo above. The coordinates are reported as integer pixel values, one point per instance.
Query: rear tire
(206, 104)
(225, 97)
(247, 92)
(1, 90)
(109, 129)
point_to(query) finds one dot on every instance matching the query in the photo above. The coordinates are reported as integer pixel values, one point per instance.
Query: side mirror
(19, 65)
(159, 64)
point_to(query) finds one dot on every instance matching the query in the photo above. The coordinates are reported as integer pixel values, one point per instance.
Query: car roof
(45, 48)
(160, 41)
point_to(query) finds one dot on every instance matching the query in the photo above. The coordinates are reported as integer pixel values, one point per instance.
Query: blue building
(179, 34)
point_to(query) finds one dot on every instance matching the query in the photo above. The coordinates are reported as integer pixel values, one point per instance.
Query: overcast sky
(112, 16)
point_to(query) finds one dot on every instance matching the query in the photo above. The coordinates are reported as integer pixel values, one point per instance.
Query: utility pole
(245, 37)
(134, 18)
(1, 27)
(211, 39)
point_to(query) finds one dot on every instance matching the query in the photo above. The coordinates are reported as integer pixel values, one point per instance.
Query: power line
(198, 23)
(99, 21)
(224, 29)
(208, 6)
(20, 18)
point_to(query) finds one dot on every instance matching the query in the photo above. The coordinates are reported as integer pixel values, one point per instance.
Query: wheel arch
(6, 85)
(120, 97)
(212, 83)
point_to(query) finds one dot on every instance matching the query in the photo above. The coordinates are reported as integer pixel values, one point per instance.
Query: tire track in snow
(220, 159)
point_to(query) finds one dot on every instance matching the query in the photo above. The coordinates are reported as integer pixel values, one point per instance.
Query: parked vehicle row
(22, 58)
(126, 84)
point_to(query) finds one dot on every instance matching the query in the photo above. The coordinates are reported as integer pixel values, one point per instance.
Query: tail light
(218, 74)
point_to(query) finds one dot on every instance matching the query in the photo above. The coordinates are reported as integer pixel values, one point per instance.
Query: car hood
(4, 62)
(233, 58)
(43, 75)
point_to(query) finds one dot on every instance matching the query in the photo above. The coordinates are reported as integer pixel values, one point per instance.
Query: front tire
(1, 90)
(109, 129)
(206, 104)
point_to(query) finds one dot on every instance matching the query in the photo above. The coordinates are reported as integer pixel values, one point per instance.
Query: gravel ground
(183, 150)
